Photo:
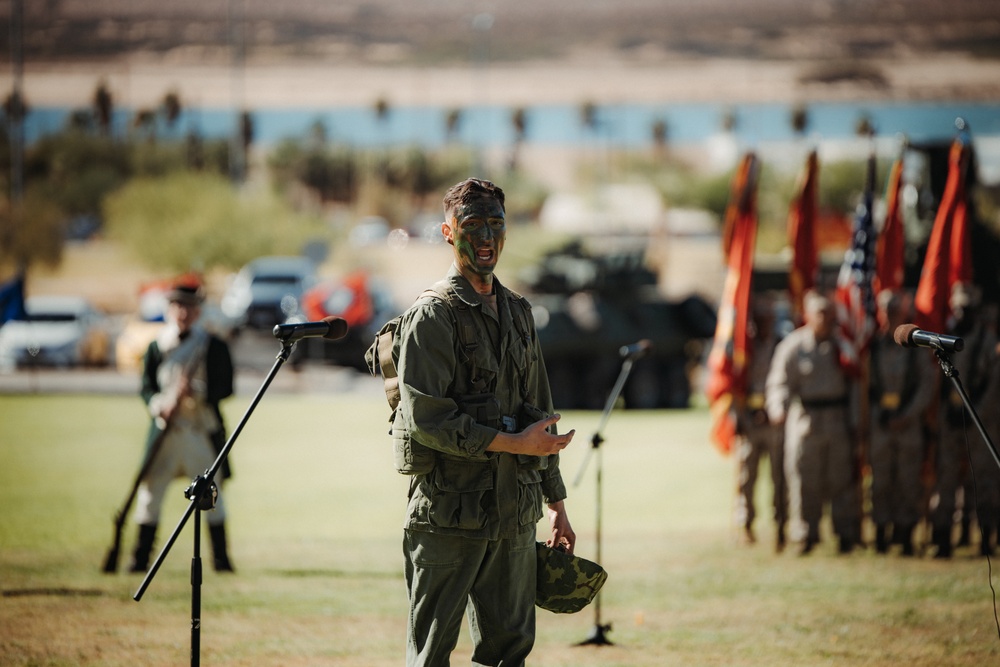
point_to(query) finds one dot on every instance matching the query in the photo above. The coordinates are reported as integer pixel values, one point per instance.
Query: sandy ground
(142, 81)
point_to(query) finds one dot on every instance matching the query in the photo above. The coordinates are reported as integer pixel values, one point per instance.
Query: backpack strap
(520, 311)
(466, 327)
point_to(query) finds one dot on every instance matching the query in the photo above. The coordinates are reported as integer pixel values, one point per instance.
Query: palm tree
(729, 120)
(144, 123)
(171, 107)
(799, 119)
(520, 122)
(659, 131)
(451, 122)
(103, 108)
(588, 115)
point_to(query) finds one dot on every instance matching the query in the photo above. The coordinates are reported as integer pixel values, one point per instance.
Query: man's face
(477, 231)
(822, 320)
(185, 315)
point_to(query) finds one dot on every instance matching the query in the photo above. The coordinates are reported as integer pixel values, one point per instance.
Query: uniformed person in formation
(959, 440)
(758, 436)
(186, 373)
(987, 480)
(809, 393)
(475, 428)
(901, 387)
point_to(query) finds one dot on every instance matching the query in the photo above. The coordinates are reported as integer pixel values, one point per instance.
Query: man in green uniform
(475, 428)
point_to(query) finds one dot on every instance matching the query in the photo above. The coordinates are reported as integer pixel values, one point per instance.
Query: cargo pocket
(459, 491)
(410, 458)
(529, 496)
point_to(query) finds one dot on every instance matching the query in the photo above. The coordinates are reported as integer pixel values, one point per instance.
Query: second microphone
(331, 328)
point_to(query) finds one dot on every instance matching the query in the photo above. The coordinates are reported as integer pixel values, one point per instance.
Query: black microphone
(908, 335)
(331, 328)
(636, 350)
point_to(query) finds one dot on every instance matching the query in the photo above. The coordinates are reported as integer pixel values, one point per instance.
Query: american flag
(855, 297)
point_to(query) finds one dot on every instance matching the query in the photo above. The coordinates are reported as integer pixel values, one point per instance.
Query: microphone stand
(598, 634)
(203, 493)
(952, 374)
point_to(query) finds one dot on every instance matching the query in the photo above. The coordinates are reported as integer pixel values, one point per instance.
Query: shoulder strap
(463, 315)
(466, 327)
(520, 314)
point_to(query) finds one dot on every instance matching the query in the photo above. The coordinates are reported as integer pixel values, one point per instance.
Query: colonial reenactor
(186, 373)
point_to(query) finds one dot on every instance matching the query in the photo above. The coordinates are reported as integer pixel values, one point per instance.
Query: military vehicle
(588, 306)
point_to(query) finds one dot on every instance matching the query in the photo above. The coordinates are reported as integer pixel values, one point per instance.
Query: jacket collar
(466, 292)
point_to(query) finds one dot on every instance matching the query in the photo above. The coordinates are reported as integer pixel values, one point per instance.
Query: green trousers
(492, 580)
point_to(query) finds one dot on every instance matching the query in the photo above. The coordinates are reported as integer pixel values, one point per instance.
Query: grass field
(316, 513)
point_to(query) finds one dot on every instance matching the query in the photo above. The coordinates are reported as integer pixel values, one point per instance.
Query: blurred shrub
(197, 221)
(32, 232)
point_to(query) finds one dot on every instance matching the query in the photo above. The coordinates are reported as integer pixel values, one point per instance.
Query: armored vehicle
(588, 306)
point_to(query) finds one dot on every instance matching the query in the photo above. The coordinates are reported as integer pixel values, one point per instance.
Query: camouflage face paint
(477, 233)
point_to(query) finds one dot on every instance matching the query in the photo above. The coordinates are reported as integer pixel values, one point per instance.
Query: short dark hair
(469, 190)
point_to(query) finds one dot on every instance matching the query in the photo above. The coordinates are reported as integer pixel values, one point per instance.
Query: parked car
(267, 290)
(59, 331)
(364, 302)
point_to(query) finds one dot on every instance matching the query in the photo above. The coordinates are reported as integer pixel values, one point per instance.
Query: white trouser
(186, 453)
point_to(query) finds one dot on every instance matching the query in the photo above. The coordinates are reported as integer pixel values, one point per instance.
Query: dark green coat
(219, 372)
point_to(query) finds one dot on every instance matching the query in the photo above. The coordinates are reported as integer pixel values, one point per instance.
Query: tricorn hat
(186, 293)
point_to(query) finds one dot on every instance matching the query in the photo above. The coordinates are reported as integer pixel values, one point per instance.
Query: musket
(113, 555)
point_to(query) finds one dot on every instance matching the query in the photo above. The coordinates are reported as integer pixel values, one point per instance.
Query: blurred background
(293, 156)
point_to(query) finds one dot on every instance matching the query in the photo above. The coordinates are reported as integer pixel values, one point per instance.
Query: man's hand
(562, 536)
(533, 441)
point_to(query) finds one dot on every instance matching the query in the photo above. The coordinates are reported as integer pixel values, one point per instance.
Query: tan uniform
(759, 437)
(959, 439)
(901, 388)
(807, 388)
(984, 464)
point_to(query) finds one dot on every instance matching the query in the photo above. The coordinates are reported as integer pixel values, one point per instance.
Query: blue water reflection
(625, 125)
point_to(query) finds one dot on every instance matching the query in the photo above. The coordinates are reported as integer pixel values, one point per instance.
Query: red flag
(802, 216)
(949, 252)
(855, 296)
(729, 357)
(890, 245)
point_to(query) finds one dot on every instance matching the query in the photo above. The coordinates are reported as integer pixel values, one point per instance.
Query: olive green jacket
(467, 490)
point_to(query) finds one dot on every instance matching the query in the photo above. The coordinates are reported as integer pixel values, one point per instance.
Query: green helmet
(566, 583)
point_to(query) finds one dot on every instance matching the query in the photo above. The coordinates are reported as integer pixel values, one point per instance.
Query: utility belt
(890, 400)
(825, 403)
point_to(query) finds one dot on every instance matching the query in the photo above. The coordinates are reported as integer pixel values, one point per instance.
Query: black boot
(986, 543)
(143, 547)
(219, 552)
(965, 535)
(904, 535)
(942, 539)
(881, 538)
